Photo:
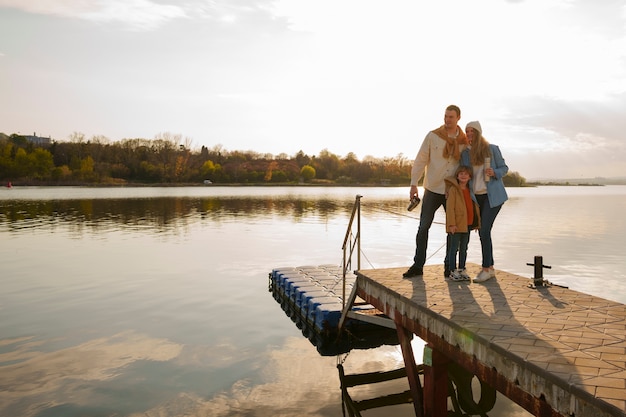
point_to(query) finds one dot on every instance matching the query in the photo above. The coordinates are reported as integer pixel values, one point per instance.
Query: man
(437, 158)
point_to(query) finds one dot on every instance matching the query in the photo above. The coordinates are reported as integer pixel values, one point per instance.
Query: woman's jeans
(487, 217)
(457, 242)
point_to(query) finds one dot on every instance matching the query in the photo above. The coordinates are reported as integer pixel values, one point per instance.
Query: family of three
(463, 173)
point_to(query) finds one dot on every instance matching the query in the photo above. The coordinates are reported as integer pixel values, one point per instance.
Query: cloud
(147, 15)
(134, 14)
(585, 123)
(137, 14)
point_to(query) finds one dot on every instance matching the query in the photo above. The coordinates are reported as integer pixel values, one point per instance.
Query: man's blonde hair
(454, 108)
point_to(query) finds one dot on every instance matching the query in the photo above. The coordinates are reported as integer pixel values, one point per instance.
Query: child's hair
(463, 168)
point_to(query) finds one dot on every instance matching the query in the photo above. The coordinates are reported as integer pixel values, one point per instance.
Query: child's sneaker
(464, 275)
(456, 275)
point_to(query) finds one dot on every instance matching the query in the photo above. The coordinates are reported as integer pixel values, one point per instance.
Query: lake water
(154, 301)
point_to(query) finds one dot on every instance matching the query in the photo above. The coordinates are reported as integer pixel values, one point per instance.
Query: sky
(546, 79)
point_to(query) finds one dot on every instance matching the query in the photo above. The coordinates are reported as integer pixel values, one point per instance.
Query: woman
(489, 168)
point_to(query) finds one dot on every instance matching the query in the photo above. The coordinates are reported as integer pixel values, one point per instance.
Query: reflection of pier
(552, 350)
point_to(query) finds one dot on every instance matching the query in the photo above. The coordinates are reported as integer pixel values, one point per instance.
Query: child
(461, 216)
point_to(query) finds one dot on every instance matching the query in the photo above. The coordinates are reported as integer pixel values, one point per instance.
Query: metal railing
(351, 242)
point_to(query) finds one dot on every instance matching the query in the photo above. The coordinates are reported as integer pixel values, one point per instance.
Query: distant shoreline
(566, 184)
(329, 185)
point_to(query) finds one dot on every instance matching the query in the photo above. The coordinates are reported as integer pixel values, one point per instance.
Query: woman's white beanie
(476, 126)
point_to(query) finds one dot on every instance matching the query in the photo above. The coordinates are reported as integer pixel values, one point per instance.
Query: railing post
(358, 234)
(343, 287)
(356, 211)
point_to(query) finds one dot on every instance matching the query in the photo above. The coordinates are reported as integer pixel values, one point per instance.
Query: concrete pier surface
(552, 350)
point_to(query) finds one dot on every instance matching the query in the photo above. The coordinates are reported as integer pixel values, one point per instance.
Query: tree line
(169, 159)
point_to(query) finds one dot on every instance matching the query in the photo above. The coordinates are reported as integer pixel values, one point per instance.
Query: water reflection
(136, 373)
(160, 296)
(40, 378)
(157, 214)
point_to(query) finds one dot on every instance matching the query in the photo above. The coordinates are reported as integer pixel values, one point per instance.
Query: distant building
(38, 140)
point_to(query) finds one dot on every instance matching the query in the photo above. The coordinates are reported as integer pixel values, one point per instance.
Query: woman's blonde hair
(480, 149)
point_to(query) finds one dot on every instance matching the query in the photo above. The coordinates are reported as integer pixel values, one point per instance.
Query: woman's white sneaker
(483, 276)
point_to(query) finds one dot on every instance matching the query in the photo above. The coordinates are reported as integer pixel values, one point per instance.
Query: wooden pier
(552, 350)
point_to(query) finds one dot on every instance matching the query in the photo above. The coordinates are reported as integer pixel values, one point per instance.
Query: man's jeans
(430, 203)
